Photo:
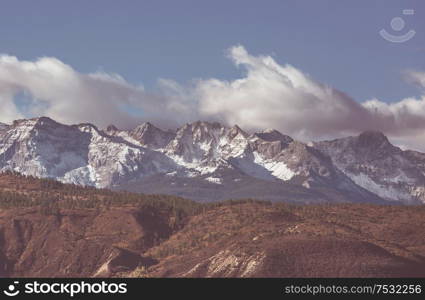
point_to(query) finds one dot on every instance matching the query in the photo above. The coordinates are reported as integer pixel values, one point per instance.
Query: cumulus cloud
(60, 92)
(268, 95)
(282, 97)
(285, 98)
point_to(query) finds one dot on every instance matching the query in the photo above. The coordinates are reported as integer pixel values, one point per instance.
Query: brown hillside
(50, 229)
(260, 240)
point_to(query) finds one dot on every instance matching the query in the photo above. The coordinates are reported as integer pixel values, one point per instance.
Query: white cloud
(8, 111)
(282, 97)
(268, 95)
(60, 92)
(285, 98)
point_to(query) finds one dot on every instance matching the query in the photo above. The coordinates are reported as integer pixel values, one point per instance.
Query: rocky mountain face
(80, 154)
(373, 163)
(209, 161)
(150, 136)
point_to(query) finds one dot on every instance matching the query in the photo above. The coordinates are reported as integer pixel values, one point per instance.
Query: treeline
(49, 185)
(68, 200)
(50, 196)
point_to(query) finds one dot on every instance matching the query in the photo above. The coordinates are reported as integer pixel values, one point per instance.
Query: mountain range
(208, 161)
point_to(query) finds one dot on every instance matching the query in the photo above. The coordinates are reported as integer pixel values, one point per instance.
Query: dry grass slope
(56, 230)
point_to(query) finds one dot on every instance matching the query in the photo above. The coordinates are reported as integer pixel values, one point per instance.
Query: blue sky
(336, 42)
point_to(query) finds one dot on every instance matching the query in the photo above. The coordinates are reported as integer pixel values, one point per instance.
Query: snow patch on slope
(83, 176)
(388, 192)
(215, 180)
(278, 169)
(201, 169)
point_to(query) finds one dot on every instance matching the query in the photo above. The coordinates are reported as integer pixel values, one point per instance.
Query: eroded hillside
(51, 229)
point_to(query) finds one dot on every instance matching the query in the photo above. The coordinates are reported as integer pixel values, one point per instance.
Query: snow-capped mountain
(204, 159)
(151, 136)
(373, 163)
(80, 154)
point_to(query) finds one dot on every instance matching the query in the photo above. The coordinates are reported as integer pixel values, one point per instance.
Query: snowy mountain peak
(41, 122)
(151, 136)
(372, 138)
(236, 131)
(23, 122)
(362, 166)
(197, 141)
(201, 130)
(272, 135)
(111, 128)
(236, 128)
(372, 162)
(86, 127)
(145, 126)
(45, 121)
